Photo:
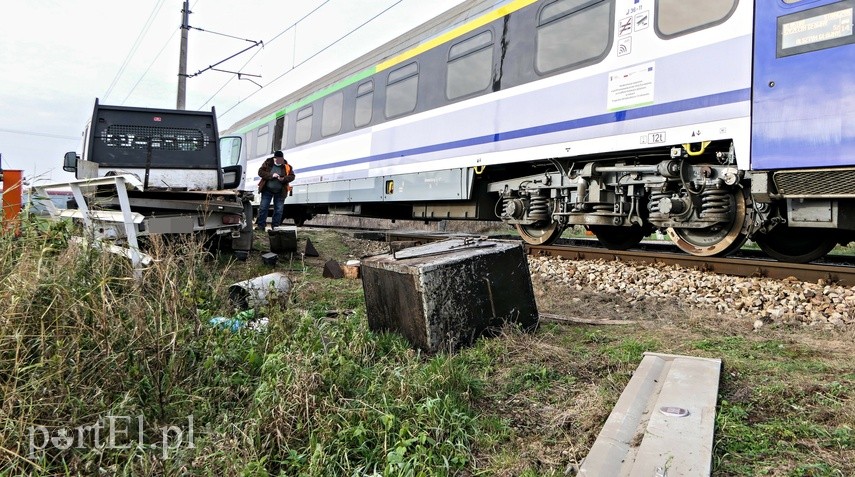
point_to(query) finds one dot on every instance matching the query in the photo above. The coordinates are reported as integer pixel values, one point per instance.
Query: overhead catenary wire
(40, 134)
(162, 49)
(228, 81)
(231, 78)
(366, 22)
(135, 46)
(220, 34)
(212, 67)
(268, 42)
(275, 37)
(295, 66)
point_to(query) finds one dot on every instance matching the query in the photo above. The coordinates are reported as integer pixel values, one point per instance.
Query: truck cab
(145, 171)
(173, 150)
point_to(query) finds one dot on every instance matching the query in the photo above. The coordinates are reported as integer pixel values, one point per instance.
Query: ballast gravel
(763, 300)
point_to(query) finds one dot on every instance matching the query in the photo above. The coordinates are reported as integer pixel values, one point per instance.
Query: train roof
(386, 53)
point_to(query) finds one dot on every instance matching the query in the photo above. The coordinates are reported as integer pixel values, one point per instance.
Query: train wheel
(540, 235)
(796, 245)
(708, 242)
(618, 238)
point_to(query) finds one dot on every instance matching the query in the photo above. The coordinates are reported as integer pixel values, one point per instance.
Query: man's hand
(275, 175)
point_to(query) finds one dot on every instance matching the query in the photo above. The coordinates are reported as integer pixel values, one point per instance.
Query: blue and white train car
(713, 120)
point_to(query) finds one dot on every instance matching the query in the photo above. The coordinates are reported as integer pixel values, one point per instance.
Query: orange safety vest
(288, 171)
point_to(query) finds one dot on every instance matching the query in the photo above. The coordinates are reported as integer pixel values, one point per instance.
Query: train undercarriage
(693, 192)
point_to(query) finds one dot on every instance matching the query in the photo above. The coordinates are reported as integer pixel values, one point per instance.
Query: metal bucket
(259, 291)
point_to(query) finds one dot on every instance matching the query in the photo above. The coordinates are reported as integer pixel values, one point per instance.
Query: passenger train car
(712, 120)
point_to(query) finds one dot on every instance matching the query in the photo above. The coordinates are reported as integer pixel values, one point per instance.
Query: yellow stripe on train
(456, 32)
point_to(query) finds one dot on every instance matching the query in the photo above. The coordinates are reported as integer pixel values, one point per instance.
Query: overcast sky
(57, 56)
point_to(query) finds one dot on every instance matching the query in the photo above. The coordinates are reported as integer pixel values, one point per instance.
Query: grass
(316, 393)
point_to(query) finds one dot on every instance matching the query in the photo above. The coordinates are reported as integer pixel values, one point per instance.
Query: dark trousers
(278, 206)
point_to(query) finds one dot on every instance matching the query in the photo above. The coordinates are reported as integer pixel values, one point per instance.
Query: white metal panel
(663, 422)
(190, 179)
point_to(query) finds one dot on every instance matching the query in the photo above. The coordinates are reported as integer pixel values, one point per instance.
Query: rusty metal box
(443, 295)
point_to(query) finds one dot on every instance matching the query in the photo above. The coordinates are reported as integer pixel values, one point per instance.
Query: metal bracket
(128, 219)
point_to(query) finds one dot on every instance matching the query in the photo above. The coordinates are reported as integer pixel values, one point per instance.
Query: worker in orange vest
(276, 175)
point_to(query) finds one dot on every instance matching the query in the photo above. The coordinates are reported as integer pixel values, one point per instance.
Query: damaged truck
(146, 171)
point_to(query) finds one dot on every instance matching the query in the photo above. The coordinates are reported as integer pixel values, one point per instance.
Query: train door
(804, 84)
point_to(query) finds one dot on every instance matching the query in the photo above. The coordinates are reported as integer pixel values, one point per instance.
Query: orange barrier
(12, 197)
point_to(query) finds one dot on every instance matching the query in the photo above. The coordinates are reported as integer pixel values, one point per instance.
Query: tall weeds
(83, 344)
(80, 340)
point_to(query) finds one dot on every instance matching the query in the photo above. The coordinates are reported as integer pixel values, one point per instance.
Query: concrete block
(269, 258)
(443, 295)
(283, 239)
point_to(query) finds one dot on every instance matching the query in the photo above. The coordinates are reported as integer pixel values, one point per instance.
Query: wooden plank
(583, 321)
(663, 422)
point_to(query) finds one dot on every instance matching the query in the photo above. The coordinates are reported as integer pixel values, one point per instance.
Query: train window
(250, 143)
(678, 17)
(470, 65)
(364, 104)
(331, 119)
(262, 145)
(558, 9)
(280, 132)
(402, 88)
(303, 130)
(572, 33)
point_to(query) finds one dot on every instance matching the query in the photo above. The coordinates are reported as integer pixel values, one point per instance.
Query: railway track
(743, 267)
(747, 265)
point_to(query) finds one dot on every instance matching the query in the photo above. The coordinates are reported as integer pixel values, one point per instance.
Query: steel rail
(742, 267)
(736, 266)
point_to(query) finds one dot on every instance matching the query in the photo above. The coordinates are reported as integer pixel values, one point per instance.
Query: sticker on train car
(653, 138)
(625, 26)
(631, 87)
(642, 21)
(624, 46)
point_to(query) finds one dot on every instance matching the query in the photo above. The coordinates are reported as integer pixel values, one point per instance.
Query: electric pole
(182, 57)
